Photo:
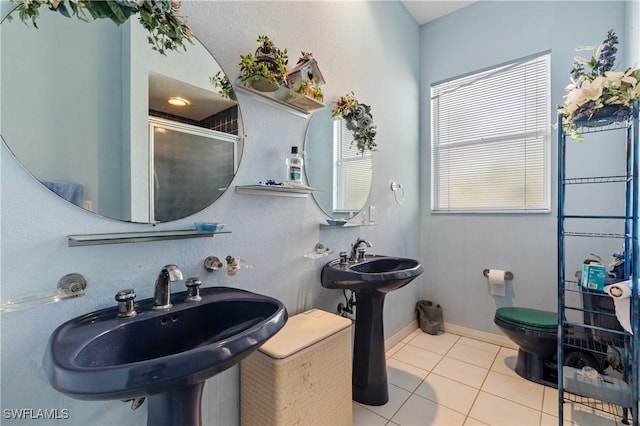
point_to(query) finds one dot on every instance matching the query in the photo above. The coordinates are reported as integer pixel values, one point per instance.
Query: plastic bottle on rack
(294, 167)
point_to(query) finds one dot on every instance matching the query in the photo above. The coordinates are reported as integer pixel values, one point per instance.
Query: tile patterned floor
(452, 380)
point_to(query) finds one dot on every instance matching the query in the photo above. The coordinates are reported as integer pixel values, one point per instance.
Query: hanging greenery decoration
(167, 30)
(358, 119)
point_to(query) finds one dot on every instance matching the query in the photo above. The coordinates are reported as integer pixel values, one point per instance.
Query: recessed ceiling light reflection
(177, 101)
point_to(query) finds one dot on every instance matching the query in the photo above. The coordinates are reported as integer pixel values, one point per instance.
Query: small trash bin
(430, 316)
(301, 376)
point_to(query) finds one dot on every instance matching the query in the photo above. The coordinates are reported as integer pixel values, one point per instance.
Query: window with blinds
(352, 171)
(490, 140)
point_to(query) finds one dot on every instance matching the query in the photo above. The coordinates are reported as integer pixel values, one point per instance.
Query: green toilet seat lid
(534, 318)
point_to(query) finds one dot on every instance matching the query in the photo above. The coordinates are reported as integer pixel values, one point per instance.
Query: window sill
(481, 212)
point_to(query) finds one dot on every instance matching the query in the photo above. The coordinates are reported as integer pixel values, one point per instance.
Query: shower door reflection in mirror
(183, 157)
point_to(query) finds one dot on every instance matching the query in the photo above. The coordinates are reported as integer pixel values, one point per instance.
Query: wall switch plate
(372, 214)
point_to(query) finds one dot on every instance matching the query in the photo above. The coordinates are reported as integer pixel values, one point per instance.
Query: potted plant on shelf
(358, 119)
(265, 70)
(167, 30)
(598, 95)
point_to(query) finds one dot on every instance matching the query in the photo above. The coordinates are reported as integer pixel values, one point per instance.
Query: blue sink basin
(97, 356)
(375, 274)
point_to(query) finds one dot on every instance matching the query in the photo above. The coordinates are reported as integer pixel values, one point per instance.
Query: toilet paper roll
(497, 280)
(621, 293)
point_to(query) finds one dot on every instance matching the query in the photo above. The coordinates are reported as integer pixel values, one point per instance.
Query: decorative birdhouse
(306, 78)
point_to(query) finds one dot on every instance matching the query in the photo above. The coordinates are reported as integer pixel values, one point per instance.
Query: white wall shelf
(283, 98)
(348, 225)
(137, 237)
(273, 190)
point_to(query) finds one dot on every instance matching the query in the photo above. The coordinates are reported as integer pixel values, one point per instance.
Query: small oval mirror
(335, 168)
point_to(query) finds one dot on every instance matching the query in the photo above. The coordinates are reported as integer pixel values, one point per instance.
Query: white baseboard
(496, 339)
(397, 338)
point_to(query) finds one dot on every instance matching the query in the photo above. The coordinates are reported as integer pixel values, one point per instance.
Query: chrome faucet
(356, 249)
(162, 293)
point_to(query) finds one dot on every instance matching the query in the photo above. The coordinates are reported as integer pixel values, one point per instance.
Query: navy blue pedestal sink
(165, 355)
(371, 279)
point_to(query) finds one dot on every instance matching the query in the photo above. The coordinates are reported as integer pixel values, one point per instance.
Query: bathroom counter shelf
(587, 321)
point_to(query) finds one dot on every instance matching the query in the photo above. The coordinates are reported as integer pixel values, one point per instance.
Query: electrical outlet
(372, 214)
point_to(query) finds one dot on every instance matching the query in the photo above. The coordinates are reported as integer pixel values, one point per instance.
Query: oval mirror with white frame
(84, 109)
(335, 168)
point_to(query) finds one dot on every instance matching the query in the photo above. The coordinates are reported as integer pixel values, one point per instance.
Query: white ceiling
(424, 11)
(204, 103)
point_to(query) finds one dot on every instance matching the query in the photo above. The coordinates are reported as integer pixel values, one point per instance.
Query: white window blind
(352, 171)
(490, 140)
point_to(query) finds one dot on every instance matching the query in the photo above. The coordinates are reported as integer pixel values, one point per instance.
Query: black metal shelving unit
(598, 336)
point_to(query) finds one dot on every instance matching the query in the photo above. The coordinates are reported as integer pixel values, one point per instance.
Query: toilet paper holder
(508, 275)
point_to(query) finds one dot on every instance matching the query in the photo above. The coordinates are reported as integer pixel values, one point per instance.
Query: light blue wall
(457, 247)
(366, 47)
(632, 15)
